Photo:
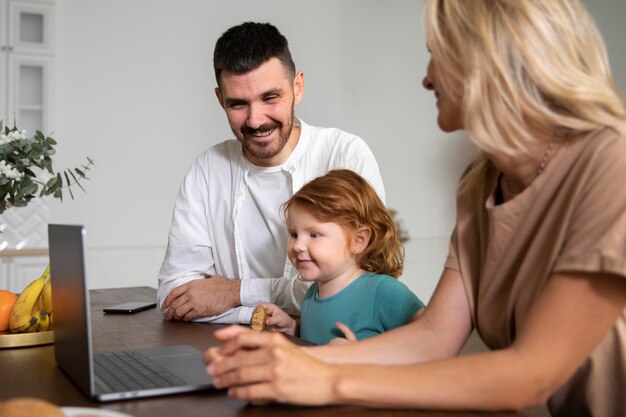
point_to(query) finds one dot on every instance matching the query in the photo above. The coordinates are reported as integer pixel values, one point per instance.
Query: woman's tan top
(571, 218)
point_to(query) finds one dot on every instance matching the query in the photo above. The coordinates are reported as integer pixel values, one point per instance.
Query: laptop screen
(70, 297)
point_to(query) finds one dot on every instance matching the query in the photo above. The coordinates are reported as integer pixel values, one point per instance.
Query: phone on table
(130, 307)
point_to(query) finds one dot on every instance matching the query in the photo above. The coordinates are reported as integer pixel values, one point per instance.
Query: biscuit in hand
(257, 322)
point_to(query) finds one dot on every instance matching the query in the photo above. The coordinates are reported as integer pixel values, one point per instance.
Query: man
(227, 248)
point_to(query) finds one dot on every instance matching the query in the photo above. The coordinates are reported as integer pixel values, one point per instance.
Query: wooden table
(32, 371)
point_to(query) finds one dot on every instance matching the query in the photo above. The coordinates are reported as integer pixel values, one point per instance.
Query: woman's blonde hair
(522, 65)
(344, 197)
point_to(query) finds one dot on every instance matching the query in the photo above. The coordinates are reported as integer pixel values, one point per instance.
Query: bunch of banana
(33, 308)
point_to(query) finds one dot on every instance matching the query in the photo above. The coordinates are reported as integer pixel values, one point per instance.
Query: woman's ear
(360, 239)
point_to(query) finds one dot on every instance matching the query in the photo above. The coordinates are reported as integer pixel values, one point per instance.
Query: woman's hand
(279, 321)
(262, 367)
(348, 334)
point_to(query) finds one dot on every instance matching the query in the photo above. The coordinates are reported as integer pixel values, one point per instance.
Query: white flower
(21, 153)
(9, 171)
(13, 135)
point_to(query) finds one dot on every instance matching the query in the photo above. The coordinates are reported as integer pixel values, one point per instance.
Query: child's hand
(348, 338)
(279, 321)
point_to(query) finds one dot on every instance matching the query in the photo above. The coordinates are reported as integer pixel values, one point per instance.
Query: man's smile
(262, 133)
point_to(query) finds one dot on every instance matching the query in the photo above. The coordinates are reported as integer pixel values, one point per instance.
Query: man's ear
(218, 94)
(298, 87)
(361, 238)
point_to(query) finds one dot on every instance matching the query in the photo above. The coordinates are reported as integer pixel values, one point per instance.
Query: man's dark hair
(247, 46)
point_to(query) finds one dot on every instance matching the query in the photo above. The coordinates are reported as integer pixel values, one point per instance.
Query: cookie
(257, 322)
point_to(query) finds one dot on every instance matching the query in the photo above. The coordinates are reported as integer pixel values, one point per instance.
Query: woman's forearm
(486, 381)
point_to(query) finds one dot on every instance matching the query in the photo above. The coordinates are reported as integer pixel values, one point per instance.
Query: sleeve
(189, 253)
(286, 292)
(395, 303)
(595, 239)
(452, 260)
(358, 157)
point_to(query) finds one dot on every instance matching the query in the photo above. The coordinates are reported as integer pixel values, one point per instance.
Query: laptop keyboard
(129, 371)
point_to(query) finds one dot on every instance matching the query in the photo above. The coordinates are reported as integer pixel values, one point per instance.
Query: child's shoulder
(381, 282)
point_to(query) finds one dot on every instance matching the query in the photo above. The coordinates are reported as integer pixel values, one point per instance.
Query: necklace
(540, 168)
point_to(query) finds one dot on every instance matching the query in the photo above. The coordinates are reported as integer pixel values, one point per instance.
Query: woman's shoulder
(603, 146)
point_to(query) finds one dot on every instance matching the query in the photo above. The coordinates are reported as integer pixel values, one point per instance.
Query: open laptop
(178, 368)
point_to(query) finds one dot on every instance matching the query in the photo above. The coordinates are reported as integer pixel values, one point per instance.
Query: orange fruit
(7, 301)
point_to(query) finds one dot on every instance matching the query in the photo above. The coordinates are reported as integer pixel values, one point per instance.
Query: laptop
(176, 369)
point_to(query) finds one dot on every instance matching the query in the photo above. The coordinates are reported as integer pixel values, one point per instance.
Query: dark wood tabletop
(32, 371)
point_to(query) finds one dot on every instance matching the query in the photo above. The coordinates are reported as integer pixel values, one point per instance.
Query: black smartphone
(130, 307)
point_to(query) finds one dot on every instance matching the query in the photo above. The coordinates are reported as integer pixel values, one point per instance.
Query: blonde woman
(537, 260)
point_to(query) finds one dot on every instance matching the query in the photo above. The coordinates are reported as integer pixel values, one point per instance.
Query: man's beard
(270, 149)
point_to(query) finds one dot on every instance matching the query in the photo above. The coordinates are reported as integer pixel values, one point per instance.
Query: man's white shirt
(211, 225)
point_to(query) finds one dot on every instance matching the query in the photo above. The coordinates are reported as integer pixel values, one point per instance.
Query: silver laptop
(152, 371)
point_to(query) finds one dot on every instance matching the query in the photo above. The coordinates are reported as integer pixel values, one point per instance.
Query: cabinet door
(21, 271)
(5, 276)
(29, 102)
(4, 29)
(31, 27)
(4, 49)
(3, 91)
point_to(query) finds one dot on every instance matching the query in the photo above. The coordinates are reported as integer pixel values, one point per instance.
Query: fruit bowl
(10, 340)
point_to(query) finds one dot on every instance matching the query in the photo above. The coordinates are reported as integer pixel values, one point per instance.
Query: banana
(44, 321)
(46, 296)
(30, 325)
(23, 318)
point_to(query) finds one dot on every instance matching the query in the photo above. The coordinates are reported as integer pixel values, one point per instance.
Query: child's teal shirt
(370, 305)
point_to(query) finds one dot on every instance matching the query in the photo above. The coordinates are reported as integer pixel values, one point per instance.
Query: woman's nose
(427, 83)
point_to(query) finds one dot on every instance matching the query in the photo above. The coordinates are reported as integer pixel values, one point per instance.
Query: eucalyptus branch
(19, 156)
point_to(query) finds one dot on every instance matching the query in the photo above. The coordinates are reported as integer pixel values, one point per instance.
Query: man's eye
(270, 99)
(235, 104)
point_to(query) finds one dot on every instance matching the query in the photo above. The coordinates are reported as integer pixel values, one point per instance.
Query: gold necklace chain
(540, 168)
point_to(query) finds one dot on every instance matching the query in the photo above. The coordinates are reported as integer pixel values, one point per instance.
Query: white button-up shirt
(205, 237)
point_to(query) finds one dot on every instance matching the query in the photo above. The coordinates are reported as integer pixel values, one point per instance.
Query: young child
(344, 240)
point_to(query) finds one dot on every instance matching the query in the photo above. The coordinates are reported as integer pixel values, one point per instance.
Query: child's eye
(314, 235)
(293, 235)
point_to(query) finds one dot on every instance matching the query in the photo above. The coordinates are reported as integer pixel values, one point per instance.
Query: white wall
(134, 90)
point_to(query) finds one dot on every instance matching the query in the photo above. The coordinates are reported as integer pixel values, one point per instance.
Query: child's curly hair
(344, 197)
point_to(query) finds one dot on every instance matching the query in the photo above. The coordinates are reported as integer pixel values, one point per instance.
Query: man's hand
(202, 298)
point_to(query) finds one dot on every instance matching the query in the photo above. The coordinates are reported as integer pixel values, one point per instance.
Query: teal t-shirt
(370, 305)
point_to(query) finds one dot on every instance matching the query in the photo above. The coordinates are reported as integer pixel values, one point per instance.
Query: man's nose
(255, 117)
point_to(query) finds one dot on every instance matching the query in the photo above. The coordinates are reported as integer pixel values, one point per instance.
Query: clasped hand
(262, 367)
(202, 298)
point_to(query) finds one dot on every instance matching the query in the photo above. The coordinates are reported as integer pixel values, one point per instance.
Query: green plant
(24, 162)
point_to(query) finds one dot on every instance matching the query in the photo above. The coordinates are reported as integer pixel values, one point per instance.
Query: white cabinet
(19, 268)
(26, 64)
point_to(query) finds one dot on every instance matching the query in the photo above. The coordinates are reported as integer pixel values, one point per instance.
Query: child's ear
(360, 239)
